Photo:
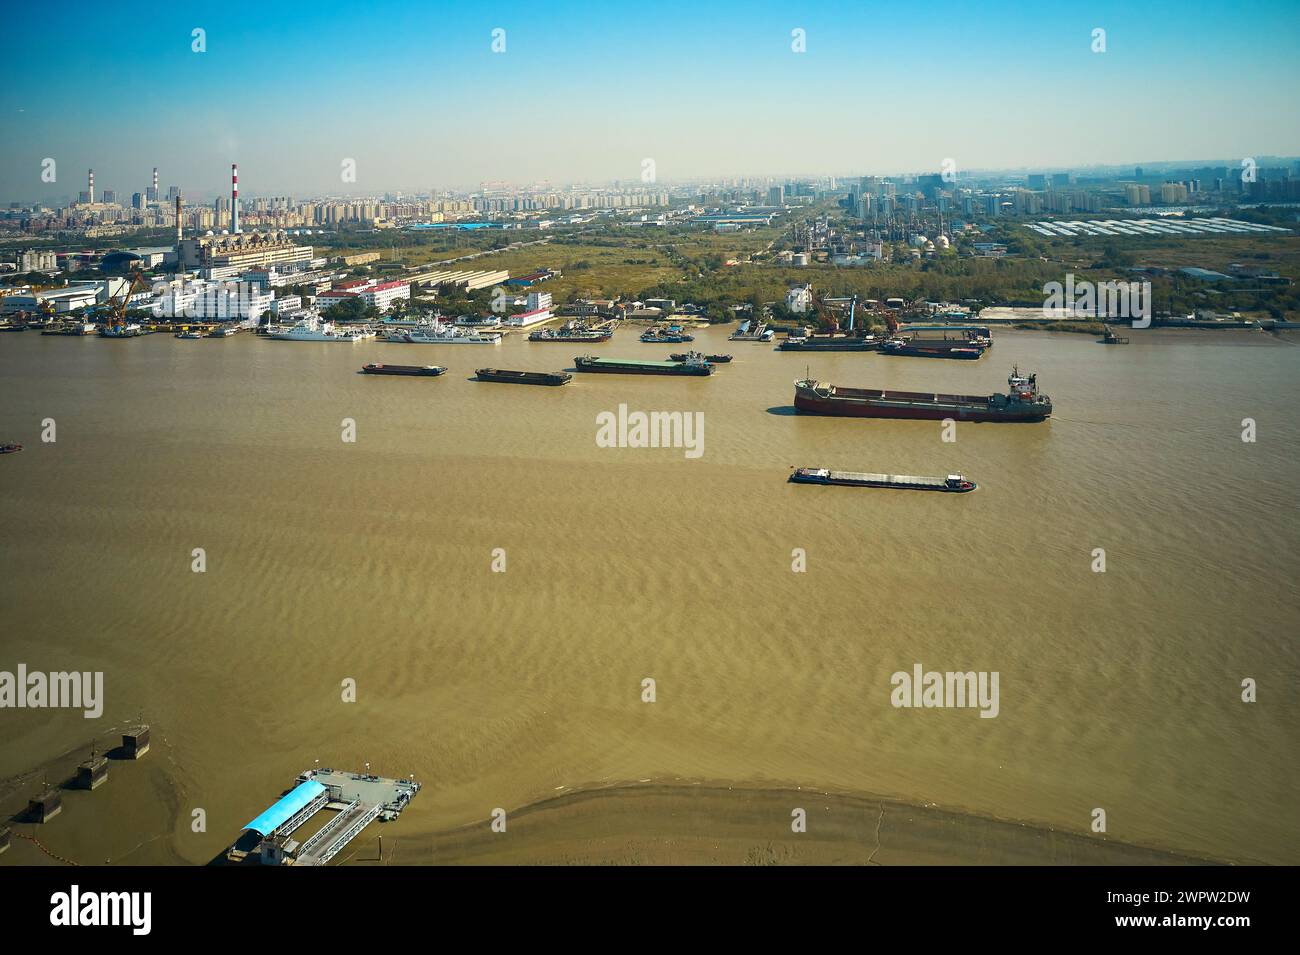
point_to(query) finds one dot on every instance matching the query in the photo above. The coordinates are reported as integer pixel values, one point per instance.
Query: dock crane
(115, 326)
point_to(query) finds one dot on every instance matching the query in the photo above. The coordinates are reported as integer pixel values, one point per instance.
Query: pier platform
(357, 799)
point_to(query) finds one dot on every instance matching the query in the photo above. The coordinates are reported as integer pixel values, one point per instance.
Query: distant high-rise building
(110, 195)
(1137, 173)
(137, 201)
(776, 196)
(1038, 180)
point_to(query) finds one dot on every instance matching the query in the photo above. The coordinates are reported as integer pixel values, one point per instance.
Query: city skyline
(416, 98)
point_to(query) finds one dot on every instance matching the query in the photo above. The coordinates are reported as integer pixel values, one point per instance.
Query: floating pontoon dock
(357, 798)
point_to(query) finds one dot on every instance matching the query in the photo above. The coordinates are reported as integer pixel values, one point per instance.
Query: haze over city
(416, 96)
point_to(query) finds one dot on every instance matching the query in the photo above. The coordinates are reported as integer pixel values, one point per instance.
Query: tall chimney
(155, 182)
(179, 236)
(92, 187)
(234, 198)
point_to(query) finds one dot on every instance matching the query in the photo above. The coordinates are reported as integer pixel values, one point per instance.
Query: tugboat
(10, 448)
(416, 371)
(1022, 402)
(524, 377)
(953, 483)
(190, 335)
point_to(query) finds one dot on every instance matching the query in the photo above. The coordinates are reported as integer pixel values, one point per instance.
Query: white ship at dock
(439, 333)
(312, 329)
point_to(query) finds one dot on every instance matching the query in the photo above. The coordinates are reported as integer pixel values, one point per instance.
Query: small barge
(414, 371)
(524, 377)
(953, 483)
(697, 366)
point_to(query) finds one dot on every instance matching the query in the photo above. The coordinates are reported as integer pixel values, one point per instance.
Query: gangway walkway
(337, 833)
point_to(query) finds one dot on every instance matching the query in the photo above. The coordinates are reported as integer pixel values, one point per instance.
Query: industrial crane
(115, 326)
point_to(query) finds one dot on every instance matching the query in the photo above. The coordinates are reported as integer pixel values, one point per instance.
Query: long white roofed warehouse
(357, 798)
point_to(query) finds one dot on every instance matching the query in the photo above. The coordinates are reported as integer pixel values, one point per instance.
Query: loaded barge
(418, 371)
(712, 359)
(696, 365)
(1022, 402)
(953, 483)
(829, 343)
(524, 377)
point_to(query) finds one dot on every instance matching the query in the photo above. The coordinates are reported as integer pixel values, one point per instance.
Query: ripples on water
(371, 561)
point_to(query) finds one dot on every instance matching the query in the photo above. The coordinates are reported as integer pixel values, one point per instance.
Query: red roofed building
(383, 295)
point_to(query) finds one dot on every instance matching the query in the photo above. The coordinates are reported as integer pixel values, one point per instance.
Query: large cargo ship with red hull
(1022, 402)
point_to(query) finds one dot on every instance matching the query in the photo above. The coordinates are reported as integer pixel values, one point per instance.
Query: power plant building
(224, 256)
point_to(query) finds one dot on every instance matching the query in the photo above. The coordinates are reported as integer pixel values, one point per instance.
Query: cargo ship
(919, 349)
(671, 335)
(711, 359)
(1021, 403)
(418, 371)
(524, 377)
(953, 483)
(571, 332)
(829, 343)
(696, 366)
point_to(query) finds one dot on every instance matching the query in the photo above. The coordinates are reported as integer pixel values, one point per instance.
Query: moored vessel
(10, 448)
(711, 359)
(1021, 403)
(829, 343)
(440, 333)
(312, 329)
(751, 331)
(953, 483)
(571, 332)
(419, 371)
(671, 334)
(524, 377)
(695, 366)
(125, 330)
(915, 349)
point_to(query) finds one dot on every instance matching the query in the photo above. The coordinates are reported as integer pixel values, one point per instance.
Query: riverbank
(140, 818)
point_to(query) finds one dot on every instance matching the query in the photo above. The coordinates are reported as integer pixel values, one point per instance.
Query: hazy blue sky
(414, 94)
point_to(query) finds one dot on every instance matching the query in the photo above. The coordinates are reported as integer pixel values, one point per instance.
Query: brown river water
(373, 561)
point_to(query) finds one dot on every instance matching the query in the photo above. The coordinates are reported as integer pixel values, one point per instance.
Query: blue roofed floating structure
(356, 798)
(296, 806)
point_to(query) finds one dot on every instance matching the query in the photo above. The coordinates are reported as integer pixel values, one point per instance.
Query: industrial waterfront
(372, 561)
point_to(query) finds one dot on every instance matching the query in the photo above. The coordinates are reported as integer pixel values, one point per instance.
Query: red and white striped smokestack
(155, 182)
(234, 198)
(92, 186)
